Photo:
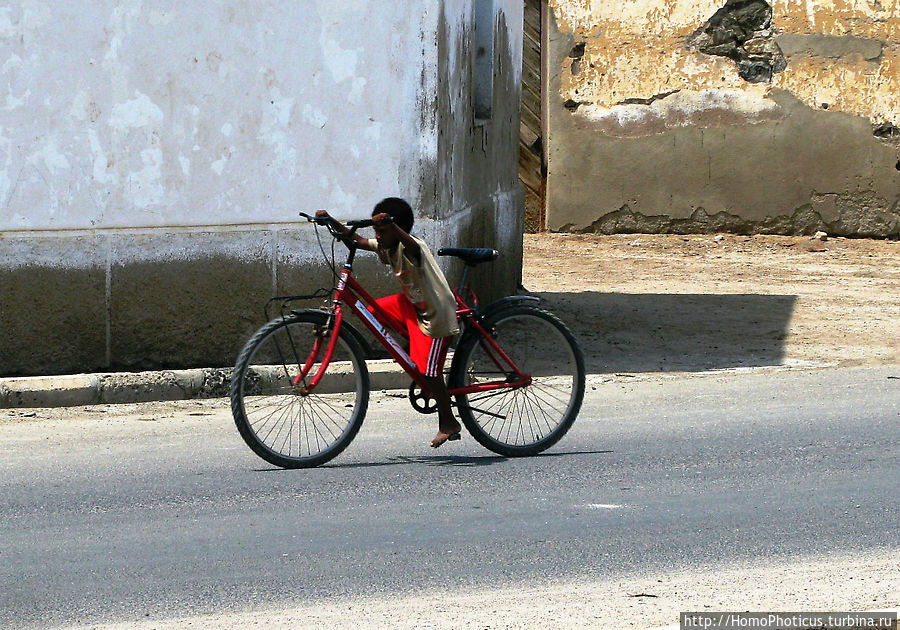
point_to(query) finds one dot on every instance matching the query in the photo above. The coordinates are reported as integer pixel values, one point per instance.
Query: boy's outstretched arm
(362, 243)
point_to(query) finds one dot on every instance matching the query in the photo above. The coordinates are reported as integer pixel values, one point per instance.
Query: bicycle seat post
(463, 278)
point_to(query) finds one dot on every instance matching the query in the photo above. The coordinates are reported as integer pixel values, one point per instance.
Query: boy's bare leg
(447, 424)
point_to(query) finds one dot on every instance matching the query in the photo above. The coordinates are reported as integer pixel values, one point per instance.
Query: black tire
(277, 420)
(530, 419)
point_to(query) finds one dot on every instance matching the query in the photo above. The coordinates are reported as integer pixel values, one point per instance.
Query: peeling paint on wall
(695, 75)
(741, 31)
(134, 114)
(639, 117)
(641, 48)
(114, 113)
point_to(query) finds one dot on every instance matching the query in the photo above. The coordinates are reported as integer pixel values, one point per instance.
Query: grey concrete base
(134, 387)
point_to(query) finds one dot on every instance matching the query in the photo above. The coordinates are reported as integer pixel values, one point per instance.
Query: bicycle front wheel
(275, 414)
(528, 419)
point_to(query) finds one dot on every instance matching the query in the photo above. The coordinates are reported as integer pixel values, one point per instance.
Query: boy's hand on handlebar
(323, 218)
(382, 218)
(342, 232)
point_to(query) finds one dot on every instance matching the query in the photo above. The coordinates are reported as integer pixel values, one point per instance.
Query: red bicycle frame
(352, 295)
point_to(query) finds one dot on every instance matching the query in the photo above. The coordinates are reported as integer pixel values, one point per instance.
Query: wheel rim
(531, 414)
(287, 422)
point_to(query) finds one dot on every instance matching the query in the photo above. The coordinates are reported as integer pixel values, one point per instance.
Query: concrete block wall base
(135, 387)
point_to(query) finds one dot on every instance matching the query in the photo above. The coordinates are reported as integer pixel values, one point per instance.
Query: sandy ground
(651, 303)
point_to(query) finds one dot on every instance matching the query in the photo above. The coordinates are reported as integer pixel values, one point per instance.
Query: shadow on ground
(464, 461)
(621, 332)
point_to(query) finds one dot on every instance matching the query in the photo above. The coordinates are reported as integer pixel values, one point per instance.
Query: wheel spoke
(534, 416)
(546, 399)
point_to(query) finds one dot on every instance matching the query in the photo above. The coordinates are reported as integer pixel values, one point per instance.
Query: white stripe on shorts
(434, 356)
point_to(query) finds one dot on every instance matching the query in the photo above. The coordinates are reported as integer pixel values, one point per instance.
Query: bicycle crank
(421, 402)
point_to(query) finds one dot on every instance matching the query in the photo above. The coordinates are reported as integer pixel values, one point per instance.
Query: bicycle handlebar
(326, 221)
(312, 219)
(345, 237)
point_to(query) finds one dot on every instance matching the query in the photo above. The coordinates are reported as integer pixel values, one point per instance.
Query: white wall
(147, 113)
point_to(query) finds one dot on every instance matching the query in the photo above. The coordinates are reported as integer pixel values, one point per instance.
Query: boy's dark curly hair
(399, 210)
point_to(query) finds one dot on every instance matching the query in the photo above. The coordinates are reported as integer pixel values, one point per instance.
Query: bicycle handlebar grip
(316, 220)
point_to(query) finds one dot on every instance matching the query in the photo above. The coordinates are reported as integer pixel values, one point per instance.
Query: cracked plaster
(638, 49)
(641, 106)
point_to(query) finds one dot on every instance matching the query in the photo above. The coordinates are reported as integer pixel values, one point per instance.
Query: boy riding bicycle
(426, 308)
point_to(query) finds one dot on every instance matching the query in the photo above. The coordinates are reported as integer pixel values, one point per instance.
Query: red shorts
(428, 353)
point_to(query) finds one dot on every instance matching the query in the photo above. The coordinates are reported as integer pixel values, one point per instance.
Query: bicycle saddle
(471, 255)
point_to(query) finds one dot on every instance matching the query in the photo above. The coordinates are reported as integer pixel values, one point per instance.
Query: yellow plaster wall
(637, 49)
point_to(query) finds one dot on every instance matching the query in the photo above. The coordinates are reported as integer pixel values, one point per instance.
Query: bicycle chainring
(421, 402)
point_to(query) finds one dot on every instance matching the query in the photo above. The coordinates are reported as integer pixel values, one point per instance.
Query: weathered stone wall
(153, 159)
(737, 115)
(476, 177)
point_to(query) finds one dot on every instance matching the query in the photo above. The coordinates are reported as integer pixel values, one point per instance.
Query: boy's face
(386, 236)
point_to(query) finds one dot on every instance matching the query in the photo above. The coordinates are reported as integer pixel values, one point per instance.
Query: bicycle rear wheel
(531, 418)
(275, 416)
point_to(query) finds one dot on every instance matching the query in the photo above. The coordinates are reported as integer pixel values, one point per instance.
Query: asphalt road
(160, 511)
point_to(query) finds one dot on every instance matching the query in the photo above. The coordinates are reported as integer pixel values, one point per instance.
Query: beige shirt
(425, 286)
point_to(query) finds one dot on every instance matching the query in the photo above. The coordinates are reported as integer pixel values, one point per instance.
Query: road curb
(135, 387)
(50, 391)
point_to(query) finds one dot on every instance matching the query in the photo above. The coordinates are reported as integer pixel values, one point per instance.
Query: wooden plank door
(532, 171)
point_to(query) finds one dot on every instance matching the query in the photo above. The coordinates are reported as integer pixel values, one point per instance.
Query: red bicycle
(300, 388)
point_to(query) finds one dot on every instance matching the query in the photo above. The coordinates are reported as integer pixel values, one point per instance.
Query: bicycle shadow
(621, 332)
(461, 461)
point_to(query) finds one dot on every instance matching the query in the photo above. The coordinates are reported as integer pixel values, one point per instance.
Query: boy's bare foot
(446, 436)
(448, 427)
